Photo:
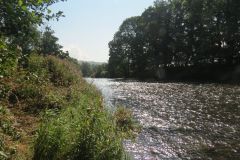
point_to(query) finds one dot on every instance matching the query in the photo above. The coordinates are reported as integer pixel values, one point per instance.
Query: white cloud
(76, 51)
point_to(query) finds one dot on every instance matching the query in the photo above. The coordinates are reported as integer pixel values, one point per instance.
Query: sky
(89, 25)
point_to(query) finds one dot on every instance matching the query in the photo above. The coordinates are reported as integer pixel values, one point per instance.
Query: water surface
(180, 121)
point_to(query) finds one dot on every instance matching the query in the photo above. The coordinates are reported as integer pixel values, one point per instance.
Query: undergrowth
(8, 134)
(47, 105)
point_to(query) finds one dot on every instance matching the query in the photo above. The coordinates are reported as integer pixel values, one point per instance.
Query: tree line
(188, 37)
(93, 69)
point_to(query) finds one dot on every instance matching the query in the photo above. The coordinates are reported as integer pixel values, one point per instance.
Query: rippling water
(180, 121)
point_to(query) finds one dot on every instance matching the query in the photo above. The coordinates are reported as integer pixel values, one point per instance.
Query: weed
(125, 122)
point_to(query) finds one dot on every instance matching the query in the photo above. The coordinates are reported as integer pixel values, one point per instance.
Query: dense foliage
(48, 44)
(19, 34)
(19, 19)
(178, 36)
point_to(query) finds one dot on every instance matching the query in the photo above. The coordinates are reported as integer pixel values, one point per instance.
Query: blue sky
(90, 24)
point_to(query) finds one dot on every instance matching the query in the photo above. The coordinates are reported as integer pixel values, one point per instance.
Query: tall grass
(82, 131)
(80, 128)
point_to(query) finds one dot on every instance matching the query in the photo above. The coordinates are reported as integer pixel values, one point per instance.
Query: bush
(37, 65)
(54, 99)
(46, 82)
(62, 73)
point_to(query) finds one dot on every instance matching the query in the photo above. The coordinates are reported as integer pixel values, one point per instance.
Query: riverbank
(46, 105)
(211, 73)
(203, 73)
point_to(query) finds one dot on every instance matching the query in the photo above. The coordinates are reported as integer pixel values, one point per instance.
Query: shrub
(46, 82)
(54, 99)
(37, 65)
(28, 91)
(62, 72)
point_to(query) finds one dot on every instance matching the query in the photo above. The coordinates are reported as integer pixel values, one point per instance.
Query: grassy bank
(48, 111)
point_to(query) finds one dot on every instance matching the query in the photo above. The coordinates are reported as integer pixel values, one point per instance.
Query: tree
(18, 15)
(49, 43)
(127, 47)
(86, 69)
(177, 35)
(19, 18)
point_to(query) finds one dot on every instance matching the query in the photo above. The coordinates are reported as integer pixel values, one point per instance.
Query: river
(179, 120)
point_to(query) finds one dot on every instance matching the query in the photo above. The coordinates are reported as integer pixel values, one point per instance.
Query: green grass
(83, 131)
(73, 121)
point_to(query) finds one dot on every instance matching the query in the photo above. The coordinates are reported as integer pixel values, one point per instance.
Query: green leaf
(24, 8)
(40, 1)
(49, 11)
(20, 2)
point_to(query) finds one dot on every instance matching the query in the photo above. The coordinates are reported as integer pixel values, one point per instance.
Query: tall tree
(177, 34)
(49, 43)
(18, 18)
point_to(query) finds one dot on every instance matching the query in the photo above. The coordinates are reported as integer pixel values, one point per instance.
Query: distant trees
(177, 34)
(91, 69)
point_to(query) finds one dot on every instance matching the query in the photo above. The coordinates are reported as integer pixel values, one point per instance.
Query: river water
(179, 120)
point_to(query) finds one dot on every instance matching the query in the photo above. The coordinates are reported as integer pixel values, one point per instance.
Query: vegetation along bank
(47, 110)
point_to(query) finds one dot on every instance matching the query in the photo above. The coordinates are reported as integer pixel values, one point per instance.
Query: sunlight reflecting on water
(180, 121)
